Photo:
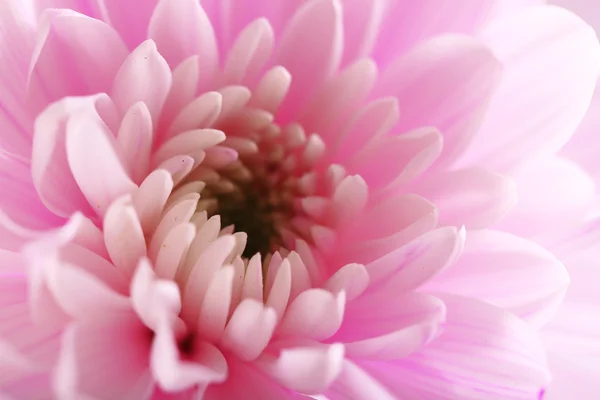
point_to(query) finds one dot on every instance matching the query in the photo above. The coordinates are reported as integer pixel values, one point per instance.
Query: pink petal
(100, 352)
(153, 299)
(362, 22)
(123, 235)
(279, 292)
(543, 118)
(445, 82)
(209, 262)
(135, 139)
(95, 165)
(200, 113)
(249, 330)
(342, 96)
(271, 89)
(216, 304)
(407, 23)
(129, 19)
(355, 383)
(183, 90)
(370, 123)
(180, 213)
(473, 197)
(173, 374)
(253, 280)
(181, 30)
(20, 201)
(543, 203)
(305, 369)
(151, 197)
(416, 262)
(310, 49)
(74, 55)
(315, 313)
(17, 46)
(395, 160)
(173, 250)
(51, 173)
(249, 53)
(402, 327)
(352, 279)
(484, 351)
(507, 271)
(187, 143)
(130, 85)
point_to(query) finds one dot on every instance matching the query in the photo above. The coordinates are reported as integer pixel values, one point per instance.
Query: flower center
(261, 192)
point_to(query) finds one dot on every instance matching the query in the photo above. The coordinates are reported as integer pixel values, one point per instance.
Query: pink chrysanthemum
(268, 199)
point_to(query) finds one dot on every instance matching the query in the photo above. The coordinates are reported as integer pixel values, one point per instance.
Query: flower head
(269, 199)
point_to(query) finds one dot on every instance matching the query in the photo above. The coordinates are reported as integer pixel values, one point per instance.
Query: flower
(267, 200)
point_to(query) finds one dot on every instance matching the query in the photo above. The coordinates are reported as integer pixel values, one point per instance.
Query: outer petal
(445, 82)
(473, 197)
(509, 272)
(16, 44)
(484, 353)
(74, 55)
(129, 18)
(131, 84)
(557, 59)
(182, 29)
(105, 361)
(409, 22)
(310, 49)
(553, 192)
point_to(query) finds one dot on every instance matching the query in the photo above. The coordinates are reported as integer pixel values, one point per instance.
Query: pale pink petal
(315, 313)
(474, 197)
(180, 213)
(271, 89)
(74, 55)
(152, 298)
(249, 330)
(552, 192)
(341, 96)
(135, 139)
(128, 18)
(216, 304)
(151, 197)
(415, 263)
(50, 169)
(174, 374)
(396, 160)
(253, 280)
(188, 143)
(310, 49)
(88, 348)
(558, 58)
(445, 82)
(372, 122)
(247, 382)
(16, 44)
(408, 23)
(400, 328)
(352, 279)
(208, 263)
(354, 383)
(20, 201)
(484, 352)
(94, 162)
(507, 271)
(249, 53)
(123, 235)
(200, 113)
(362, 21)
(305, 369)
(131, 83)
(182, 29)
